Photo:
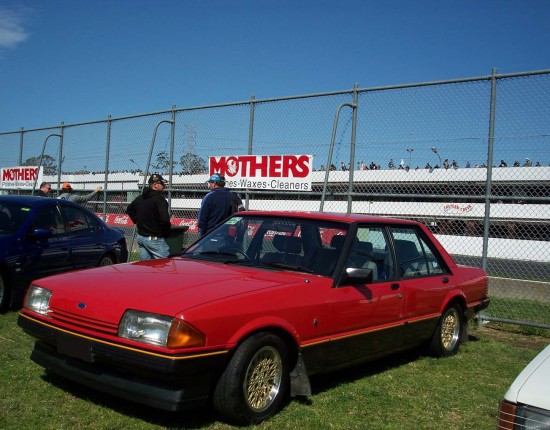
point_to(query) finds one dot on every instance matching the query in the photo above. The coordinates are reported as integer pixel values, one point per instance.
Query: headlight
(38, 299)
(532, 418)
(158, 330)
(512, 417)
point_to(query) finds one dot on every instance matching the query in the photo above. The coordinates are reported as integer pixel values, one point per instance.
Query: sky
(79, 61)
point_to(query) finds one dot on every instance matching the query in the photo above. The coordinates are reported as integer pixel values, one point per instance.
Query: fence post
(171, 157)
(488, 184)
(352, 148)
(107, 160)
(60, 158)
(250, 139)
(21, 147)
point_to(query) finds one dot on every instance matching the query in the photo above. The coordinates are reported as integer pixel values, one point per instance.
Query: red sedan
(249, 312)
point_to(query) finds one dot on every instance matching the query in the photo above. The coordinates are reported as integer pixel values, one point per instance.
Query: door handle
(445, 280)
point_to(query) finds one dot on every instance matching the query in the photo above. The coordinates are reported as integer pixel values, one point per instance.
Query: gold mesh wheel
(450, 329)
(263, 378)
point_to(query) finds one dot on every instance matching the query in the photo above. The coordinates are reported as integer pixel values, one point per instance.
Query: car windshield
(12, 215)
(274, 243)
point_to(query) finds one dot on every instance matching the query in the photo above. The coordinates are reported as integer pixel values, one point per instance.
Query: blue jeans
(152, 248)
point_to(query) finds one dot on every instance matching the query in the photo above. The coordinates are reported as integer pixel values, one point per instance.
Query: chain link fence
(469, 158)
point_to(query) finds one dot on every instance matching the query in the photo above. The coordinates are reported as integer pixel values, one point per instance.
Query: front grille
(82, 321)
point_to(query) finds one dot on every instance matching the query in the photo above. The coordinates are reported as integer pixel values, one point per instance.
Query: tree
(48, 163)
(162, 162)
(193, 164)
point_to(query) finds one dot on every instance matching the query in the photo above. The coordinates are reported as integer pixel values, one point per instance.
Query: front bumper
(165, 382)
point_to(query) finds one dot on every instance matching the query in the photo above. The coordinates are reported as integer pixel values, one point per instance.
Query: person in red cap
(149, 211)
(67, 194)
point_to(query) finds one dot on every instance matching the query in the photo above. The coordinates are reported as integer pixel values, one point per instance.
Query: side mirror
(354, 275)
(41, 234)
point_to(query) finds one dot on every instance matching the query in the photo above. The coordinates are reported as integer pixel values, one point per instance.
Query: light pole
(434, 150)
(410, 150)
(137, 165)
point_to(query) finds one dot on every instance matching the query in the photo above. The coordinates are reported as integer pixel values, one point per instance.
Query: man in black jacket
(149, 211)
(44, 190)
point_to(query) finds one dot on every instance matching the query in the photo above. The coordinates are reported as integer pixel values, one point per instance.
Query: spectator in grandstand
(446, 163)
(218, 204)
(428, 166)
(149, 212)
(67, 194)
(44, 190)
(468, 164)
(527, 163)
(503, 164)
(516, 163)
(391, 164)
(343, 166)
(454, 164)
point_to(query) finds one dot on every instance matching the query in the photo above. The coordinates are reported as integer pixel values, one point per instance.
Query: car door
(424, 281)
(367, 318)
(85, 236)
(43, 256)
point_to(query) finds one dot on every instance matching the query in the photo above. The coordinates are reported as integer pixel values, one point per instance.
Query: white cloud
(12, 32)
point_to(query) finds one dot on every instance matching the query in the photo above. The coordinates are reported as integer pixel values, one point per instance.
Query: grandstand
(450, 201)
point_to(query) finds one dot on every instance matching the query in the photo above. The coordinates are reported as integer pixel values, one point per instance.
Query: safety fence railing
(468, 157)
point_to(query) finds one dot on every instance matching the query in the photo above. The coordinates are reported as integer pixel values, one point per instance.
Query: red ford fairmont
(248, 313)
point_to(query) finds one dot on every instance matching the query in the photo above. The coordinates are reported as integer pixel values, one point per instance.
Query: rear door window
(414, 254)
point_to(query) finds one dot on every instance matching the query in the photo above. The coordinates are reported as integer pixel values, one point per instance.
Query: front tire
(254, 385)
(448, 333)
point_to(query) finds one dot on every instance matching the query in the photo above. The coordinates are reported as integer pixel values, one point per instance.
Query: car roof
(36, 201)
(329, 216)
(25, 200)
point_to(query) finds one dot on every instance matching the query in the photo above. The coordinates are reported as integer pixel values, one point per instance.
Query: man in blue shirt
(217, 205)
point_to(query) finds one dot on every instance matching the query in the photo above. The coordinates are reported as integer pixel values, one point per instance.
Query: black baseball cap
(155, 177)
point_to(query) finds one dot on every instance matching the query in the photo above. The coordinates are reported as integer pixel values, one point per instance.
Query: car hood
(165, 286)
(531, 386)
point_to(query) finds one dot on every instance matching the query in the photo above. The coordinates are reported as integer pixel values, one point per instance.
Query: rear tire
(255, 384)
(106, 260)
(448, 333)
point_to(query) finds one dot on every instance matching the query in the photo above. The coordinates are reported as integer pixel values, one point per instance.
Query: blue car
(42, 236)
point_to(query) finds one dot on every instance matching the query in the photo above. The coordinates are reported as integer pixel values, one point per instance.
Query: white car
(526, 404)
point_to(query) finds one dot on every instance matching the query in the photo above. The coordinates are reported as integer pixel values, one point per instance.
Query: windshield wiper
(283, 265)
(215, 253)
(241, 262)
(224, 254)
